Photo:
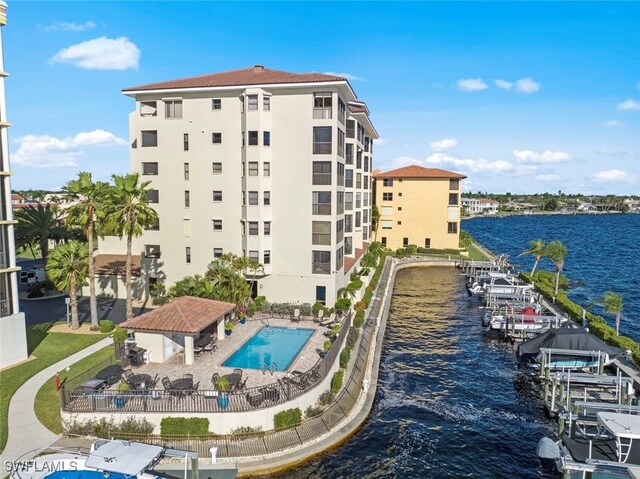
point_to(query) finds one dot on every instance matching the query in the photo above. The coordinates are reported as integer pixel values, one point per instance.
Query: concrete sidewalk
(26, 434)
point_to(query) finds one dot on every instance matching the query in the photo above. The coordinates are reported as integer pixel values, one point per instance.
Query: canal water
(450, 402)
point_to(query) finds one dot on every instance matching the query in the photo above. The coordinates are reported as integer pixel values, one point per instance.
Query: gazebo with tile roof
(174, 327)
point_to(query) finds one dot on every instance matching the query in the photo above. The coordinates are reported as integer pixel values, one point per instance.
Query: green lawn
(475, 253)
(47, 404)
(48, 348)
(25, 253)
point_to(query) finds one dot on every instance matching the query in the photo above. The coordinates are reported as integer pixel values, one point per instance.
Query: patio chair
(295, 317)
(329, 321)
(166, 383)
(193, 391)
(318, 319)
(210, 348)
(214, 379)
(198, 351)
(241, 384)
(188, 376)
(127, 373)
(238, 371)
(154, 382)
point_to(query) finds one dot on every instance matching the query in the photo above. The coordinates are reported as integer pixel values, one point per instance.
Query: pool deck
(208, 363)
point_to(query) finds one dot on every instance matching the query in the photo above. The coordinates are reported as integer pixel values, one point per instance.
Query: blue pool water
(271, 346)
(85, 474)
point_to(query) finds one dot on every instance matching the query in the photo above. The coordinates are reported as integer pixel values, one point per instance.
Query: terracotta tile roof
(349, 261)
(114, 264)
(185, 314)
(357, 109)
(415, 171)
(256, 75)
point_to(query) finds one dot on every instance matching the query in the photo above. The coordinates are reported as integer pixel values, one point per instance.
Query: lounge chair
(295, 317)
(198, 351)
(319, 318)
(166, 382)
(329, 321)
(210, 348)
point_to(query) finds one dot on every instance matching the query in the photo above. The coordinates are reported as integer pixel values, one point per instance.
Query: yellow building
(418, 206)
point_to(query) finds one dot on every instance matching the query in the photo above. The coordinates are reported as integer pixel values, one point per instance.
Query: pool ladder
(264, 321)
(270, 368)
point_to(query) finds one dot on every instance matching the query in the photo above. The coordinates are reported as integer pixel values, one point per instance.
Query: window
(386, 224)
(340, 174)
(321, 203)
(254, 255)
(365, 216)
(399, 222)
(186, 171)
(252, 102)
(155, 226)
(366, 163)
(266, 102)
(340, 143)
(152, 250)
(405, 242)
(399, 208)
(321, 172)
(216, 138)
(321, 262)
(244, 201)
(342, 110)
(148, 108)
(253, 228)
(387, 196)
(400, 194)
(266, 168)
(253, 138)
(348, 157)
(322, 102)
(339, 231)
(173, 109)
(383, 240)
(348, 201)
(266, 138)
(452, 227)
(321, 232)
(185, 141)
(427, 243)
(339, 258)
(267, 228)
(217, 252)
(348, 179)
(321, 294)
(217, 196)
(217, 168)
(187, 199)
(366, 143)
(366, 182)
(340, 202)
(253, 168)
(365, 233)
(321, 140)
(267, 257)
(149, 168)
(358, 219)
(216, 104)
(348, 223)
(348, 245)
(387, 210)
(454, 184)
(351, 129)
(253, 198)
(358, 202)
(187, 253)
(149, 138)
(217, 225)
(453, 199)
(359, 159)
(267, 198)
(153, 196)
(358, 180)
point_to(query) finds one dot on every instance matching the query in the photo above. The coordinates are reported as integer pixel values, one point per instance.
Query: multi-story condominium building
(418, 206)
(13, 339)
(480, 206)
(257, 162)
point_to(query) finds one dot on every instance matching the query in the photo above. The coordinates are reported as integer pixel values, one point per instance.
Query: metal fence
(261, 443)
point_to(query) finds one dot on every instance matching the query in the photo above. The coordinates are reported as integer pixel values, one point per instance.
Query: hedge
(336, 381)
(106, 326)
(352, 337)
(345, 355)
(287, 418)
(105, 429)
(358, 321)
(184, 426)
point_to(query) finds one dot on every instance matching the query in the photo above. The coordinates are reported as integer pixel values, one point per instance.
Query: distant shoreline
(547, 213)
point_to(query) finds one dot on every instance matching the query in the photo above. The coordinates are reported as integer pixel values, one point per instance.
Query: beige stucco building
(268, 164)
(418, 206)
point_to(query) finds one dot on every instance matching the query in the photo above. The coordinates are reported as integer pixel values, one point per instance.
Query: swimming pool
(271, 346)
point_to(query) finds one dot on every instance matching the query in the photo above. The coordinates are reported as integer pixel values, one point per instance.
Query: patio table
(141, 381)
(233, 379)
(203, 341)
(110, 374)
(182, 384)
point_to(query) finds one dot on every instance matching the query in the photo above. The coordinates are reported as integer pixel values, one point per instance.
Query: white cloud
(527, 85)
(613, 123)
(547, 156)
(100, 54)
(348, 76)
(611, 176)
(505, 85)
(548, 177)
(444, 144)
(46, 151)
(380, 141)
(67, 27)
(629, 104)
(621, 154)
(471, 84)
(479, 165)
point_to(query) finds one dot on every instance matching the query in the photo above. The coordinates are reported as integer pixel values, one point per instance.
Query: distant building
(18, 199)
(480, 206)
(13, 336)
(419, 206)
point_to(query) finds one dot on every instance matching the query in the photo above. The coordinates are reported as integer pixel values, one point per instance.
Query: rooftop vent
(258, 68)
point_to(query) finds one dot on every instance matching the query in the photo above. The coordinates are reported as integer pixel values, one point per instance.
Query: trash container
(136, 356)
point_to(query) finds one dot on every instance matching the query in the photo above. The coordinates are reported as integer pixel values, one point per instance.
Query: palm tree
(612, 303)
(376, 249)
(375, 219)
(87, 209)
(128, 213)
(537, 249)
(348, 292)
(67, 268)
(38, 224)
(556, 252)
(368, 261)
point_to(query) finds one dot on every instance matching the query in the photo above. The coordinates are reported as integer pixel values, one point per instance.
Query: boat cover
(569, 337)
(128, 458)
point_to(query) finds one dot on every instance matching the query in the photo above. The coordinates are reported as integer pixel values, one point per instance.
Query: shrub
(336, 381)
(343, 304)
(259, 301)
(122, 386)
(305, 309)
(120, 334)
(412, 249)
(358, 321)
(106, 326)
(327, 346)
(134, 425)
(360, 305)
(354, 276)
(184, 426)
(352, 337)
(356, 284)
(106, 429)
(345, 355)
(246, 430)
(312, 411)
(325, 398)
(287, 418)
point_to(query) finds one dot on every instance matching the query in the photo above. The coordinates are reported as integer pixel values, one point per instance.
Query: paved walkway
(26, 434)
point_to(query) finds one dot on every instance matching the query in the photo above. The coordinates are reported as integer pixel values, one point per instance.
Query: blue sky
(521, 97)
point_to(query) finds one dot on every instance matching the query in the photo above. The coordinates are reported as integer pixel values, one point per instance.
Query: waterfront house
(480, 206)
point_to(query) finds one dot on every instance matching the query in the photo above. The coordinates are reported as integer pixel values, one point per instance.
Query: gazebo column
(188, 349)
(220, 328)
